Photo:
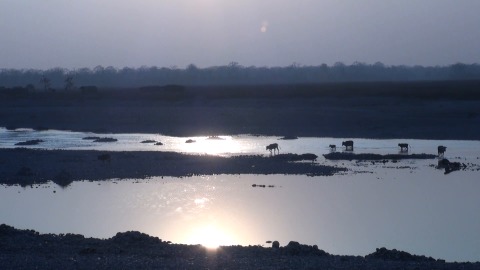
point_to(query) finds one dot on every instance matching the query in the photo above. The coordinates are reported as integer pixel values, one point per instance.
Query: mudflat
(22, 166)
(416, 110)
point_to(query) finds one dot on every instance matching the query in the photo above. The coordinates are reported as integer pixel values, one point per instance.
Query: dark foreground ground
(417, 110)
(26, 249)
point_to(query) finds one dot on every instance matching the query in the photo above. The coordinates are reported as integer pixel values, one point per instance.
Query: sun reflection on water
(214, 145)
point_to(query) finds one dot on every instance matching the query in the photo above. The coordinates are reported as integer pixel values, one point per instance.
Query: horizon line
(238, 65)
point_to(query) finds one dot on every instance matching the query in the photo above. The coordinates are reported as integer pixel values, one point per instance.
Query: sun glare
(213, 145)
(210, 236)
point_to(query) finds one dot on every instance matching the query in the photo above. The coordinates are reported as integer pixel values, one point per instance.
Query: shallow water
(409, 205)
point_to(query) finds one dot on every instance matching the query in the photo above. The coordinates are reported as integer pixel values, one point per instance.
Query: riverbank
(34, 166)
(417, 110)
(27, 249)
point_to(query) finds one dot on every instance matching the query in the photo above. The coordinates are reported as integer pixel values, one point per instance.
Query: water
(409, 205)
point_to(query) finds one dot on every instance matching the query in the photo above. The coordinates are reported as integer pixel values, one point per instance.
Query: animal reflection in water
(348, 145)
(403, 147)
(273, 146)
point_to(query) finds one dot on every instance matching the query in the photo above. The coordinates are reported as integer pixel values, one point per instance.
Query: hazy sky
(86, 33)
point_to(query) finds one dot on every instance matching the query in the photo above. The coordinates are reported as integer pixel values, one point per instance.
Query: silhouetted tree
(234, 73)
(69, 83)
(46, 83)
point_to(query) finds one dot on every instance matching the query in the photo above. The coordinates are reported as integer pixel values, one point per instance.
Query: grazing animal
(403, 147)
(273, 146)
(104, 157)
(333, 147)
(441, 150)
(450, 166)
(348, 145)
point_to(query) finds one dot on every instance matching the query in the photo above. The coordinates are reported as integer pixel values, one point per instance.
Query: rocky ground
(27, 249)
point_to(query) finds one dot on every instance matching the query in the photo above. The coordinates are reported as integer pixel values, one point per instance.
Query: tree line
(231, 74)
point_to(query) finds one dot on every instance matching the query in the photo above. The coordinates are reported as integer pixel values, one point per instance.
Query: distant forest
(231, 74)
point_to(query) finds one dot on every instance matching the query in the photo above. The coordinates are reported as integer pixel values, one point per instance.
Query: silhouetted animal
(273, 146)
(333, 147)
(348, 145)
(450, 166)
(403, 147)
(104, 157)
(441, 150)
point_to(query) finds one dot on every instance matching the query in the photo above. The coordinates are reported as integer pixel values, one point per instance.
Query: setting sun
(210, 236)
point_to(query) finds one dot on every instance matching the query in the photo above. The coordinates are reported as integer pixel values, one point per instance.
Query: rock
(91, 138)
(275, 245)
(30, 142)
(134, 237)
(105, 140)
(295, 248)
(396, 255)
(289, 138)
(149, 141)
(158, 143)
(189, 141)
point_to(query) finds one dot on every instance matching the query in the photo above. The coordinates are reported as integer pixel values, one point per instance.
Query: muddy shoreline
(34, 166)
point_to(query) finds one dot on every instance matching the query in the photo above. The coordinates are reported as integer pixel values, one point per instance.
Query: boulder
(275, 245)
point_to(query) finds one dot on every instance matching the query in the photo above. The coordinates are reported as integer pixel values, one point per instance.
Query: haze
(119, 33)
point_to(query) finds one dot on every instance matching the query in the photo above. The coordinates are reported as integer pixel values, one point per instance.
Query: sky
(132, 33)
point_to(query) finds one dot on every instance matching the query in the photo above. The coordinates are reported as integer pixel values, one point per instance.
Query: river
(409, 205)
